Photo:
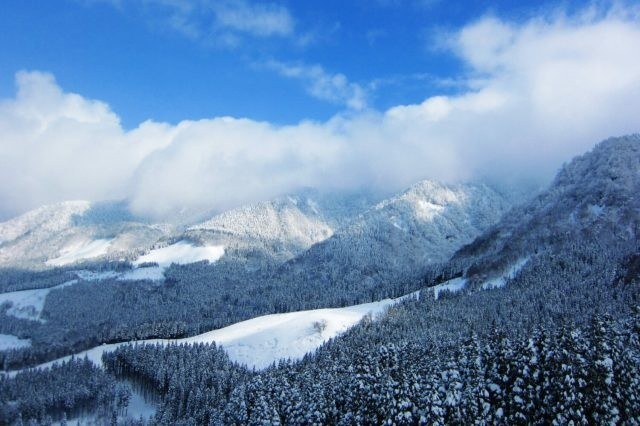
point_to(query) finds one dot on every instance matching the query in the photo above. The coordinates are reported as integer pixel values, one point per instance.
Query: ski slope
(259, 342)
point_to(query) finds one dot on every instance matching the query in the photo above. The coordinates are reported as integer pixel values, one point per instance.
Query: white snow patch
(426, 210)
(8, 341)
(261, 341)
(80, 250)
(95, 275)
(28, 304)
(181, 253)
(596, 210)
(511, 273)
(397, 222)
(152, 273)
(453, 285)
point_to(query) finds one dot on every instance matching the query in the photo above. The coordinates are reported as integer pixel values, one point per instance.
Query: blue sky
(137, 57)
(199, 106)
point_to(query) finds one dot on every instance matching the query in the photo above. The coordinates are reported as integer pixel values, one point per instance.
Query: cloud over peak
(537, 93)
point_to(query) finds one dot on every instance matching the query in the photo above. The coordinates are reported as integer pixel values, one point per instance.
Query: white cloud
(59, 146)
(260, 19)
(222, 22)
(539, 93)
(320, 84)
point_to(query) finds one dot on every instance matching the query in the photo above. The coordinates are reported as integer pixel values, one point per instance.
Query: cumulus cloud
(538, 93)
(56, 146)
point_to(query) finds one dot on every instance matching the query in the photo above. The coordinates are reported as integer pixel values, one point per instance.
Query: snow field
(28, 304)
(261, 341)
(8, 341)
(79, 251)
(181, 253)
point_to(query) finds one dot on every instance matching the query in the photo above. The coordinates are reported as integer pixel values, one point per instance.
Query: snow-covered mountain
(74, 231)
(593, 200)
(282, 228)
(68, 232)
(422, 225)
(401, 236)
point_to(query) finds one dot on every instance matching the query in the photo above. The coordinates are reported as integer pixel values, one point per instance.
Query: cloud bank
(537, 94)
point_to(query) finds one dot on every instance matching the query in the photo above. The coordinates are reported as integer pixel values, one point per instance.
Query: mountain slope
(280, 229)
(593, 198)
(74, 231)
(396, 240)
(555, 342)
(67, 232)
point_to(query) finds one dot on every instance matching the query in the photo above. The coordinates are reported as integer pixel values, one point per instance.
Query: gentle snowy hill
(261, 341)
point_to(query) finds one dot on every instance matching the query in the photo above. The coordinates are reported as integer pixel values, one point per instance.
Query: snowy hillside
(28, 304)
(43, 220)
(283, 227)
(68, 232)
(261, 341)
(399, 237)
(280, 224)
(595, 196)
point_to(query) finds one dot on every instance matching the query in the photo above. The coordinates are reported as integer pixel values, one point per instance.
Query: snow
(8, 341)
(139, 406)
(80, 250)
(426, 210)
(153, 273)
(28, 304)
(53, 218)
(511, 273)
(314, 206)
(181, 253)
(596, 210)
(94, 275)
(453, 286)
(261, 341)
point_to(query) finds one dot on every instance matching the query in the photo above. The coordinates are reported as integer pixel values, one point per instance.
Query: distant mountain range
(430, 218)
